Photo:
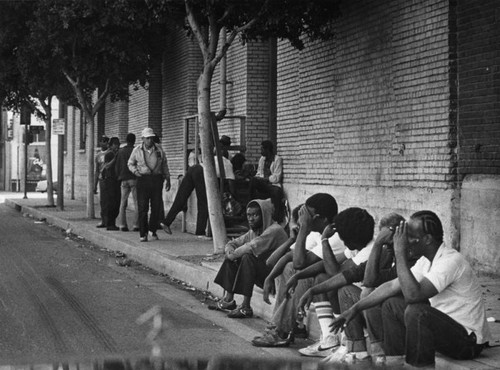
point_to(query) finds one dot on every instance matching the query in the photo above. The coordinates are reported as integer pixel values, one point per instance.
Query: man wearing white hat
(149, 163)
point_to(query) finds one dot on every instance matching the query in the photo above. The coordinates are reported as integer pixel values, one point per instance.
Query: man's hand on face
(305, 218)
(385, 236)
(329, 231)
(401, 239)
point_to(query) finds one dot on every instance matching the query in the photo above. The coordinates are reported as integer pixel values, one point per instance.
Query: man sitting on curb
(351, 233)
(341, 287)
(245, 262)
(440, 308)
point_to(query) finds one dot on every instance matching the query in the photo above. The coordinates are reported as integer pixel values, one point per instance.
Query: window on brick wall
(83, 130)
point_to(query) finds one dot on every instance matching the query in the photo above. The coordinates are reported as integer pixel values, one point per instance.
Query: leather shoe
(124, 229)
(112, 228)
(100, 226)
(166, 228)
(135, 229)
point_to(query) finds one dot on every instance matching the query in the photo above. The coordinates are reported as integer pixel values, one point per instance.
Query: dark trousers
(348, 296)
(149, 190)
(419, 330)
(261, 189)
(193, 180)
(103, 203)
(241, 275)
(110, 195)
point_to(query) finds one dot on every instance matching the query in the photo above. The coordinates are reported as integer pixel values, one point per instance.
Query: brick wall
(366, 116)
(247, 95)
(117, 118)
(138, 107)
(182, 65)
(478, 42)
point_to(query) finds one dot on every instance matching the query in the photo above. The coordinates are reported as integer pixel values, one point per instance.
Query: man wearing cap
(149, 163)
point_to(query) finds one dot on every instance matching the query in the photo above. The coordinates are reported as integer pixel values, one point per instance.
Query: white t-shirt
(459, 293)
(336, 244)
(312, 241)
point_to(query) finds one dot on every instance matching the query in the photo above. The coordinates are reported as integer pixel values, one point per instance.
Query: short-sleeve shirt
(459, 293)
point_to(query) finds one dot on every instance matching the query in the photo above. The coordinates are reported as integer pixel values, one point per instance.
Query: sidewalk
(186, 257)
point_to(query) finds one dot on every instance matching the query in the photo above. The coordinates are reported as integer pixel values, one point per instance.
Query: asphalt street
(61, 298)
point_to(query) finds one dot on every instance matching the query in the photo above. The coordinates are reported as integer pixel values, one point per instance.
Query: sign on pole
(58, 126)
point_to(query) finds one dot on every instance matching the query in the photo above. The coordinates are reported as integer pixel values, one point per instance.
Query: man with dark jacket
(110, 192)
(128, 184)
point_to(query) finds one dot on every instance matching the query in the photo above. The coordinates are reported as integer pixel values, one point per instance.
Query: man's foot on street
(143, 239)
(100, 226)
(123, 228)
(272, 339)
(241, 312)
(154, 236)
(112, 228)
(322, 348)
(166, 228)
(300, 332)
(223, 305)
(135, 229)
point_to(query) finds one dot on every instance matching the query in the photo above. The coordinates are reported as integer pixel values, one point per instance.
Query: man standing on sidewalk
(110, 192)
(128, 184)
(149, 163)
(98, 179)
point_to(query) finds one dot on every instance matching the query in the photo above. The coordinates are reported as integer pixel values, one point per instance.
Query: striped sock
(324, 312)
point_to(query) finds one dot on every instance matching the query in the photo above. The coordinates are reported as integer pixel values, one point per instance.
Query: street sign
(58, 126)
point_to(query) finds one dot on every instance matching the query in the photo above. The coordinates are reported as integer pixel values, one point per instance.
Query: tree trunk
(90, 164)
(211, 183)
(48, 148)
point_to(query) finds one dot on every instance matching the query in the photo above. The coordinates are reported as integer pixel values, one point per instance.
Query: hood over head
(267, 209)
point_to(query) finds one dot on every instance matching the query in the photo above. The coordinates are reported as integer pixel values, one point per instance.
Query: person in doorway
(434, 306)
(245, 259)
(194, 179)
(98, 180)
(149, 164)
(267, 181)
(128, 185)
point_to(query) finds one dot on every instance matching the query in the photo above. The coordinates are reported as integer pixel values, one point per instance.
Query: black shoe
(135, 229)
(166, 228)
(112, 228)
(300, 332)
(100, 226)
(124, 229)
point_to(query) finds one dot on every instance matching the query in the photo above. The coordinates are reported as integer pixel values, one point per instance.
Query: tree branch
(102, 98)
(195, 27)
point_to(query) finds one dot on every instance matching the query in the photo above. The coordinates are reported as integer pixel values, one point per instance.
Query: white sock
(324, 312)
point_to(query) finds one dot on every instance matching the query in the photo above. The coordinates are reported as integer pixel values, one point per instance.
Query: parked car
(41, 186)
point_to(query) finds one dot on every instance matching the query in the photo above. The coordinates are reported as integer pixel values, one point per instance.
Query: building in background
(400, 112)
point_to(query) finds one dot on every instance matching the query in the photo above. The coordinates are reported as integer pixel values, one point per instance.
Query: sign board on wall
(58, 126)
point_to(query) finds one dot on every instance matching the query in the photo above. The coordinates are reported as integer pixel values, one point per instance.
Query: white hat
(148, 132)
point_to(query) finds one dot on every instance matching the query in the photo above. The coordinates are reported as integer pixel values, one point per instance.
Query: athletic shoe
(241, 312)
(323, 348)
(336, 356)
(272, 339)
(223, 306)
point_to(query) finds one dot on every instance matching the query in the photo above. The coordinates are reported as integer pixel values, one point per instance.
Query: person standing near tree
(111, 190)
(98, 180)
(267, 181)
(149, 164)
(128, 184)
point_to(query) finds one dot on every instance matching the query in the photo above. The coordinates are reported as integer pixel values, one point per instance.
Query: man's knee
(415, 310)
(321, 278)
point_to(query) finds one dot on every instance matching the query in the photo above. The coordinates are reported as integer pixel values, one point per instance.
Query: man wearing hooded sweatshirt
(245, 262)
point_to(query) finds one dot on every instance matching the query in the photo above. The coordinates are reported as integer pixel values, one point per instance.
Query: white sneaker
(335, 356)
(382, 360)
(321, 348)
(355, 357)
